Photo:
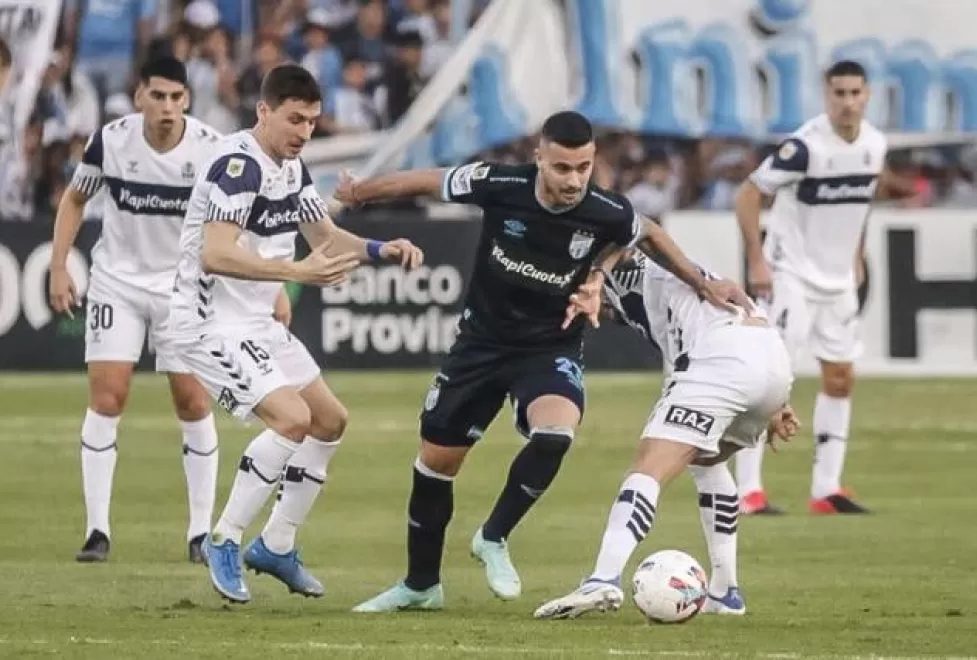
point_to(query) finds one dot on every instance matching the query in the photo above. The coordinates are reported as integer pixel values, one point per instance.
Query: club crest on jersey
(290, 177)
(188, 172)
(235, 167)
(580, 244)
(690, 419)
(227, 400)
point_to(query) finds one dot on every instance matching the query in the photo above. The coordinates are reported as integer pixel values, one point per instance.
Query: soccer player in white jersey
(823, 179)
(727, 384)
(237, 247)
(147, 163)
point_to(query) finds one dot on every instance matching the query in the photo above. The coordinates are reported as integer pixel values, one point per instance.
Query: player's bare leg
(552, 420)
(200, 457)
(304, 474)
(108, 389)
(832, 419)
(288, 420)
(429, 511)
(632, 516)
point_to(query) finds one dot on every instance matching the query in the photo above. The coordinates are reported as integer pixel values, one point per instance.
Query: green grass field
(899, 583)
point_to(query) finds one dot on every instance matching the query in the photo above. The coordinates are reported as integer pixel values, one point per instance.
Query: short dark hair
(166, 67)
(568, 129)
(6, 58)
(289, 81)
(845, 68)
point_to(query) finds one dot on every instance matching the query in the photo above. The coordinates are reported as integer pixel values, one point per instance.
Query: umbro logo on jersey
(133, 167)
(690, 419)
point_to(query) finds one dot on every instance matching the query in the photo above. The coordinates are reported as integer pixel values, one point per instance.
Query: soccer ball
(669, 586)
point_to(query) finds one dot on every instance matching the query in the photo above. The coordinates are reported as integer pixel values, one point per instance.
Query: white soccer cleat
(592, 595)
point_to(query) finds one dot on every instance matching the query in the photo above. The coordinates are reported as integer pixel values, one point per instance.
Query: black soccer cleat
(195, 549)
(96, 548)
(838, 503)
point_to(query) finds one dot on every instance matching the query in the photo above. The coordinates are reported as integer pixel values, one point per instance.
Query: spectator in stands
(403, 81)
(439, 49)
(20, 170)
(415, 16)
(7, 96)
(654, 195)
(322, 59)
(212, 76)
(367, 39)
(267, 55)
(111, 38)
(118, 106)
(730, 167)
(352, 109)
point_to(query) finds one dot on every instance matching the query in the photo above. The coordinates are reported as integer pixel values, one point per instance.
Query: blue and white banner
(735, 68)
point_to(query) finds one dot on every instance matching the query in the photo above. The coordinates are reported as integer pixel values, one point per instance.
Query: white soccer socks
(200, 461)
(718, 512)
(261, 465)
(632, 517)
(301, 483)
(98, 455)
(832, 418)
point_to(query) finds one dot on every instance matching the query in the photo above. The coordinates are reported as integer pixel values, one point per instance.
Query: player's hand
(403, 251)
(586, 301)
(345, 192)
(783, 426)
(726, 294)
(62, 293)
(283, 308)
(759, 279)
(319, 270)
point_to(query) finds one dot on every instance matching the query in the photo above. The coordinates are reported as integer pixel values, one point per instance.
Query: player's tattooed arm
(395, 185)
(659, 246)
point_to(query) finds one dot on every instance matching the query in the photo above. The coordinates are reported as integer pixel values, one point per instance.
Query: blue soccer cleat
(286, 568)
(730, 603)
(225, 570)
(401, 597)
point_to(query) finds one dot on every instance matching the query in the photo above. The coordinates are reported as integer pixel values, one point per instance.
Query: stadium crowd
(371, 58)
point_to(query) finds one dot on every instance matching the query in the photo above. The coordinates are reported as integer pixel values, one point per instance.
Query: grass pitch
(899, 583)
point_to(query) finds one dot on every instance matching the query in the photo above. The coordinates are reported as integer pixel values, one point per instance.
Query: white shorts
(826, 325)
(119, 316)
(737, 377)
(240, 366)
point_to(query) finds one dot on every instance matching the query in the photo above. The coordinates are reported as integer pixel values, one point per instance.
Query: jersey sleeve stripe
(312, 209)
(216, 213)
(87, 180)
(240, 202)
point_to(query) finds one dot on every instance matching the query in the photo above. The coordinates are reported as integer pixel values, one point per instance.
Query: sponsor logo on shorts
(690, 419)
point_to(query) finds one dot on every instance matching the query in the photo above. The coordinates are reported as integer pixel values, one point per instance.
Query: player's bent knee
(837, 379)
(552, 439)
(330, 426)
(663, 459)
(442, 459)
(290, 417)
(108, 388)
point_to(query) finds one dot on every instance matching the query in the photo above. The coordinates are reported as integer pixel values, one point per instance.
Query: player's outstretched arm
(341, 241)
(221, 255)
(658, 245)
(410, 183)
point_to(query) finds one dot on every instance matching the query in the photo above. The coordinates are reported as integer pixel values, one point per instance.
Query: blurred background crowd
(371, 58)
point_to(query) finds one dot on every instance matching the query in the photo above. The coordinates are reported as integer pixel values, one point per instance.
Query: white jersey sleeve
(235, 182)
(785, 167)
(89, 175)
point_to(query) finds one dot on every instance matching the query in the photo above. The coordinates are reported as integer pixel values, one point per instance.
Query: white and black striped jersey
(663, 308)
(146, 197)
(824, 186)
(240, 184)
